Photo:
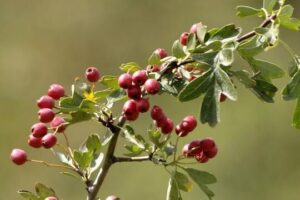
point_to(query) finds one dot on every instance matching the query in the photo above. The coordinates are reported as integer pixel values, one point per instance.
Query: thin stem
(131, 159)
(51, 164)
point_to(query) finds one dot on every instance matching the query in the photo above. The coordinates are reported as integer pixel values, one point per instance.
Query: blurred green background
(44, 42)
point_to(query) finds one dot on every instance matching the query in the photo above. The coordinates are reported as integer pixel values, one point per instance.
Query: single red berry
(49, 140)
(212, 152)
(125, 81)
(180, 132)
(201, 157)
(139, 77)
(184, 38)
(143, 105)
(167, 127)
(112, 197)
(207, 144)
(39, 129)
(34, 142)
(18, 156)
(189, 123)
(157, 113)
(46, 115)
(45, 102)
(92, 74)
(56, 91)
(161, 122)
(223, 97)
(193, 28)
(134, 92)
(195, 147)
(152, 86)
(161, 52)
(59, 124)
(130, 111)
(51, 198)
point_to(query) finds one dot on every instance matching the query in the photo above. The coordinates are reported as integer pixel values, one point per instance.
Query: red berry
(193, 28)
(39, 130)
(49, 140)
(207, 144)
(46, 115)
(143, 105)
(161, 52)
(56, 91)
(34, 141)
(45, 102)
(167, 127)
(212, 152)
(185, 151)
(223, 97)
(157, 113)
(51, 198)
(188, 124)
(161, 122)
(125, 81)
(201, 157)
(195, 147)
(152, 86)
(58, 122)
(18, 156)
(92, 74)
(134, 92)
(184, 38)
(139, 77)
(130, 111)
(180, 132)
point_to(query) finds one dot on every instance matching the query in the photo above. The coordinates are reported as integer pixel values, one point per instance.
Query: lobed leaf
(245, 11)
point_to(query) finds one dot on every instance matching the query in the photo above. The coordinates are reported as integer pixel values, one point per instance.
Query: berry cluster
(201, 150)
(187, 125)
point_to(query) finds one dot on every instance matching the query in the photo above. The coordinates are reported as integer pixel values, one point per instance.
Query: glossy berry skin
(49, 140)
(143, 105)
(157, 113)
(56, 91)
(130, 111)
(139, 77)
(223, 97)
(46, 115)
(112, 197)
(34, 141)
(193, 28)
(58, 122)
(167, 127)
(45, 102)
(39, 129)
(125, 81)
(152, 86)
(189, 123)
(184, 38)
(161, 52)
(180, 132)
(18, 156)
(209, 147)
(134, 92)
(92, 74)
(195, 147)
(51, 198)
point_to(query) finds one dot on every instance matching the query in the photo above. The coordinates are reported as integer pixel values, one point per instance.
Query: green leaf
(115, 96)
(264, 90)
(201, 32)
(225, 57)
(296, 117)
(154, 136)
(245, 11)
(102, 94)
(286, 11)
(173, 192)
(131, 137)
(134, 150)
(28, 195)
(43, 191)
(183, 182)
(87, 106)
(226, 32)
(225, 84)
(207, 58)
(130, 67)
(79, 116)
(84, 159)
(69, 104)
(93, 143)
(290, 23)
(210, 109)
(251, 47)
(269, 4)
(96, 162)
(79, 88)
(62, 157)
(196, 87)
(110, 81)
(192, 42)
(265, 69)
(177, 50)
(292, 90)
(154, 59)
(245, 78)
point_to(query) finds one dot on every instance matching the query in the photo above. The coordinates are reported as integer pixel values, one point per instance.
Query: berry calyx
(125, 81)
(34, 142)
(152, 86)
(189, 123)
(130, 111)
(56, 91)
(161, 52)
(18, 156)
(223, 97)
(39, 129)
(193, 28)
(49, 140)
(59, 124)
(46, 115)
(92, 74)
(184, 38)
(139, 77)
(45, 102)
(143, 105)
(134, 92)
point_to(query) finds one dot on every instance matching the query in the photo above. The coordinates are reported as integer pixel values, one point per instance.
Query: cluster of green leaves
(41, 190)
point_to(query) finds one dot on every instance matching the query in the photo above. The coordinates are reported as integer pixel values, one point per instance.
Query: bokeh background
(44, 42)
